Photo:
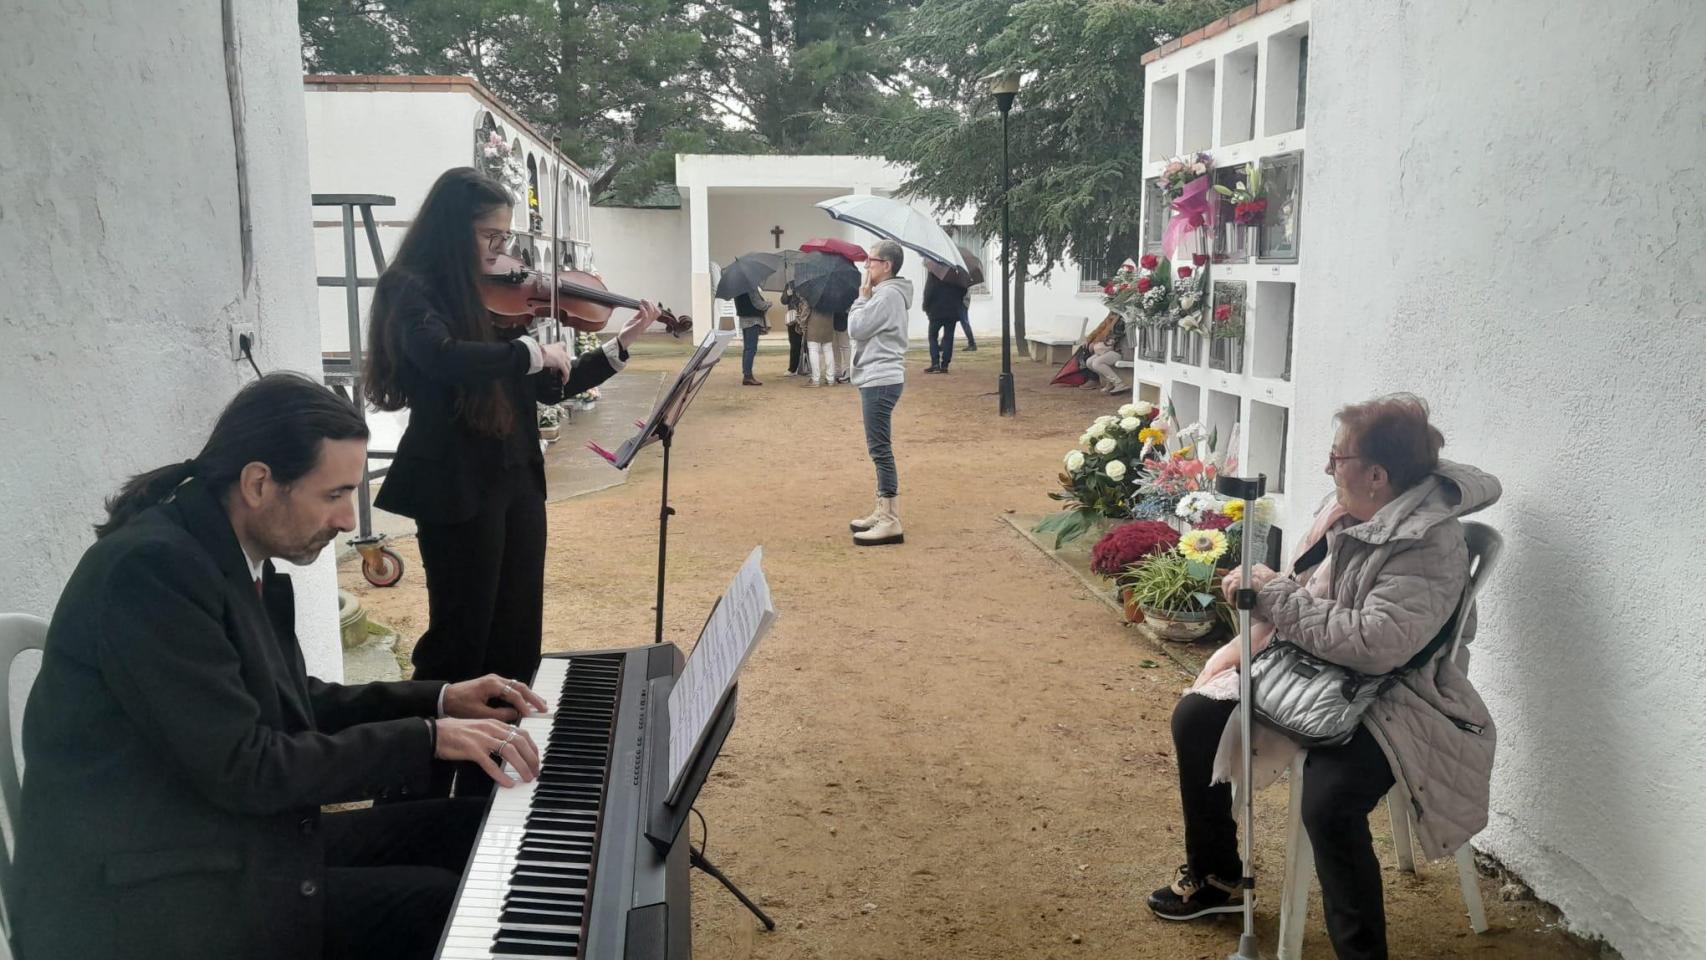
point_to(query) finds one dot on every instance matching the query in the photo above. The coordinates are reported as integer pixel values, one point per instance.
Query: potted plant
(550, 422)
(1178, 591)
(1128, 544)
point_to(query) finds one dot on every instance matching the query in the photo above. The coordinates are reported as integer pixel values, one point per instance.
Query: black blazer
(443, 469)
(177, 754)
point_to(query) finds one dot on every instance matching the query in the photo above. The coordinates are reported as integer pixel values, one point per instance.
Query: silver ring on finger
(513, 731)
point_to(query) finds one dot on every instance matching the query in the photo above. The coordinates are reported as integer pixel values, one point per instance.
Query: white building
(732, 205)
(155, 201)
(393, 136)
(1500, 218)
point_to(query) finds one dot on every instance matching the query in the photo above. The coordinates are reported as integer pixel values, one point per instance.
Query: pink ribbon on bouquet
(1190, 211)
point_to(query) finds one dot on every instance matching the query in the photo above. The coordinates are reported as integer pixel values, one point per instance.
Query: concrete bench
(1053, 348)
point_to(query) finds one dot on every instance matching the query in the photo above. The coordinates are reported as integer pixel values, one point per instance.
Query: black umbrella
(827, 281)
(748, 274)
(971, 276)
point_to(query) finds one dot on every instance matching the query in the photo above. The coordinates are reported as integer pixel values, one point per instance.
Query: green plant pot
(1178, 626)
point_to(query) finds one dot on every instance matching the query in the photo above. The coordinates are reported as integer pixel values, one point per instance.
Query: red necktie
(258, 588)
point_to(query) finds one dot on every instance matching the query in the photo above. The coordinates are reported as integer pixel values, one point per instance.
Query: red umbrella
(845, 248)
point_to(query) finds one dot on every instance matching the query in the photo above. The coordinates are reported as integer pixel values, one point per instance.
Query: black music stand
(661, 427)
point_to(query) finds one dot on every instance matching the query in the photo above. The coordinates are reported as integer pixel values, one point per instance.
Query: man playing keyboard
(177, 754)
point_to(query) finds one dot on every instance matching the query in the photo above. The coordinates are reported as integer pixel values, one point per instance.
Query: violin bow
(556, 234)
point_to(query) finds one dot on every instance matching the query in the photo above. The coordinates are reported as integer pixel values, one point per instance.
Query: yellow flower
(1184, 453)
(1233, 509)
(1154, 435)
(1203, 546)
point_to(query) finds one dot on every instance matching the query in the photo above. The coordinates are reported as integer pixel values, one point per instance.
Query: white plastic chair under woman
(1485, 545)
(18, 632)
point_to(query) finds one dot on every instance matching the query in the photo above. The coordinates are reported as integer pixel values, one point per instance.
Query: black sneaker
(1188, 898)
(933, 369)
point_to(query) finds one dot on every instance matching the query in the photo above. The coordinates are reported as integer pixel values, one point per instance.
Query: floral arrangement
(1130, 543)
(1122, 293)
(1248, 204)
(1154, 291)
(549, 417)
(587, 342)
(1190, 294)
(499, 162)
(1101, 473)
(1182, 170)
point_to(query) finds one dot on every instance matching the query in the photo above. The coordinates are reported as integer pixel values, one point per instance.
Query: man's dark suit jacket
(177, 754)
(443, 469)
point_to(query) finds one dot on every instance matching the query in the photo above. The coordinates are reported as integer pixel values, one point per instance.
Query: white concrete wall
(1507, 220)
(120, 266)
(641, 252)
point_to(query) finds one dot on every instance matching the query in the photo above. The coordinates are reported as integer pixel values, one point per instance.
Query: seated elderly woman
(1394, 572)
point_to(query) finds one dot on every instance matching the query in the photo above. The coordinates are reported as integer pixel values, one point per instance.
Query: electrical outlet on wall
(240, 329)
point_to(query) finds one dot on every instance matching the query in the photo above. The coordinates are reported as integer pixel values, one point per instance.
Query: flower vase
(1133, 609)
(549, 433)
(1179, 626)
(1252, 237)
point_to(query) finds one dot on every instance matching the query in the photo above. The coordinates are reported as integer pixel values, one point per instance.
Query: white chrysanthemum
(1115, 470)
(1143, 408)
(1129, 410)
(1130, 424)
(1106, 445)
(1097, 430)
(1075, 461)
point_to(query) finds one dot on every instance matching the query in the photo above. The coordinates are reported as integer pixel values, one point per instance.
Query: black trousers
(942, 330)
(1341, 785)
(796, 349)
(486, 586)
(391, 876)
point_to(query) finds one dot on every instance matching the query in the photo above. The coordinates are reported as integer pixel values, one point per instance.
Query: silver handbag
(1316, 702)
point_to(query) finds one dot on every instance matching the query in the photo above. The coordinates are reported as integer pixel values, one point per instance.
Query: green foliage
(1068, 525)
(1076, 127)
(1169, 583)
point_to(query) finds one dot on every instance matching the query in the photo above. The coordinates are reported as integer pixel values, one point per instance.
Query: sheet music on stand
(740, 620)
(674, 401)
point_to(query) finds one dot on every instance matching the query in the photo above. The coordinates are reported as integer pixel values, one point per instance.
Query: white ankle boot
(887, 528)
(869, 520)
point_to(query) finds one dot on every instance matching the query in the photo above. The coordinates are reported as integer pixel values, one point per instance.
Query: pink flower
(1184, 273)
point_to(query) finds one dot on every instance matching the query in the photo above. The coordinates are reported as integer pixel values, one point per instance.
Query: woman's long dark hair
(279, 420)
(440, 255)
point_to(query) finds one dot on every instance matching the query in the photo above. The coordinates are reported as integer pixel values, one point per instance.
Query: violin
(516, 295)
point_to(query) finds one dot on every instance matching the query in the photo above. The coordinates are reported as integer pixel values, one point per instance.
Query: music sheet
(737, 624)
(674, 401)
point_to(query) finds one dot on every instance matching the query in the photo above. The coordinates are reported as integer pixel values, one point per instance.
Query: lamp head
(1004, 85)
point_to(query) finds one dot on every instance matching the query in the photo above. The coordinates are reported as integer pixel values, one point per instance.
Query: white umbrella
(893, 220)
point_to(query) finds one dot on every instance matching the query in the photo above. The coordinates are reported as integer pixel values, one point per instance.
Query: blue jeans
(877, 404)
(965, 324)
(749, 349)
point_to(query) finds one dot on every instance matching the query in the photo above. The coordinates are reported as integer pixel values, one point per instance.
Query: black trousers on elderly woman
(1341, 786)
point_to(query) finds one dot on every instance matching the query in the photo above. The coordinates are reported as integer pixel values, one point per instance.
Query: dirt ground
(946, 748)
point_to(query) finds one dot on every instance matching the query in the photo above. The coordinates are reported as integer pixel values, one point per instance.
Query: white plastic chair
(18, 632)
(1485, 545)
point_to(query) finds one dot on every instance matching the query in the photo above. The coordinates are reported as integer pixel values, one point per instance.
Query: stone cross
(777, 233)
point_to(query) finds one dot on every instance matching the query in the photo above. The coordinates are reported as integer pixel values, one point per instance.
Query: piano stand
(697, 859)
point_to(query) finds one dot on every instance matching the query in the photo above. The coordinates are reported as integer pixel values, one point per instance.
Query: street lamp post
(1005, 87)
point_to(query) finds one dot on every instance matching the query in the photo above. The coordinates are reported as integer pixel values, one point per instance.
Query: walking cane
(1248, 490)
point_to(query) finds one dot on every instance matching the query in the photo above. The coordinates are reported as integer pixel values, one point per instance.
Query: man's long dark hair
(440, 257)
(280, 420)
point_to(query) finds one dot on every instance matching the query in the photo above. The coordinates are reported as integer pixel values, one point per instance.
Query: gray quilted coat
(1395, 581)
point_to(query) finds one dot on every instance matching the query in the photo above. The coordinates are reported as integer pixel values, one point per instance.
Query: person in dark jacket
(468, 469)
(750, 308)
(177, 753)
(943, 299)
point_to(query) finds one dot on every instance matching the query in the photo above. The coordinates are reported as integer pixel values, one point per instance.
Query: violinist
(468, 469)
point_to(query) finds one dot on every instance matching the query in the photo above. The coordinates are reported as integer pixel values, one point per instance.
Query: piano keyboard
(526, 894)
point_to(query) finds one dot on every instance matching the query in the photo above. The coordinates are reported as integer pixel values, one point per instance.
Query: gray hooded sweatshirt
(877, 327)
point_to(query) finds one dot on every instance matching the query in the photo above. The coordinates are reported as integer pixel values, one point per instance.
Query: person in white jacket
(877, 325)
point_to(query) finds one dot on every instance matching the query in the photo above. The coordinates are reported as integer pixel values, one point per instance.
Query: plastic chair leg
(1401, 842)
(1299, 871)
(1470, 882)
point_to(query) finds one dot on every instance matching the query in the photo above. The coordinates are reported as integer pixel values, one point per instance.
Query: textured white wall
(120, 265)
(1503, 213)
(641, 253)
